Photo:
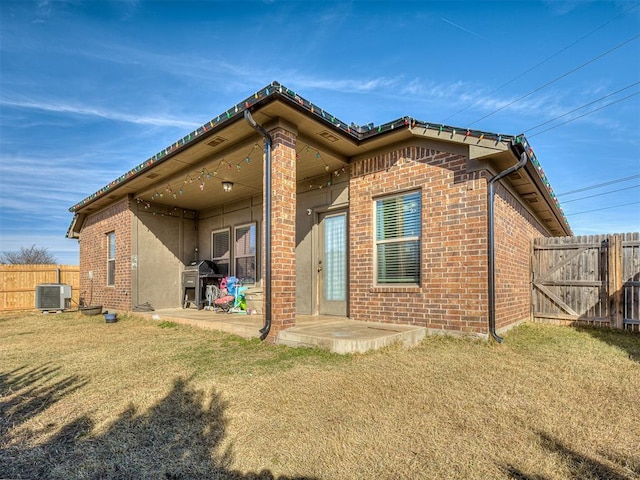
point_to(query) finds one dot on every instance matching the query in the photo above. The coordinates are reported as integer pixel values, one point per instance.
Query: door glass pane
(335, 254)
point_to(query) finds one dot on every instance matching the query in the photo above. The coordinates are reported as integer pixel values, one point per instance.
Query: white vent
(53, 296)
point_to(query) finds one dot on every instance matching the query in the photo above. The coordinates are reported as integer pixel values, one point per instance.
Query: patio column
(283, 227)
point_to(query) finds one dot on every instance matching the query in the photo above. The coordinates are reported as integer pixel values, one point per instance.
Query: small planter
(110, 317)
(91, 310)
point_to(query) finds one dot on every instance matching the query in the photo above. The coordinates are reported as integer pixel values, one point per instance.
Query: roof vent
(153, 175)
(216, 141)
(328, 136)
(515, 176)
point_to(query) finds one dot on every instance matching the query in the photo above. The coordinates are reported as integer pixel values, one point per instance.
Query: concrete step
(350, 336)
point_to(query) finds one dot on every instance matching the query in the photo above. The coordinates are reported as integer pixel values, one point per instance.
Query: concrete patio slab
(336, 334)
(350, 336)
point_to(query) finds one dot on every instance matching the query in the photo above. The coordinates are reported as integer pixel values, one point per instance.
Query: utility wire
(555, 79)
(583, 106)
(605, 208)
(600, 194)
(604, 184)
(544, 61)
(584, 114)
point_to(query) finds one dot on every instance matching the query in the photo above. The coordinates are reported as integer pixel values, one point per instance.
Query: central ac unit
(53, 296)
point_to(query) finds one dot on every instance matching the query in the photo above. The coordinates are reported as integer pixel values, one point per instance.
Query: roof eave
(355, 133)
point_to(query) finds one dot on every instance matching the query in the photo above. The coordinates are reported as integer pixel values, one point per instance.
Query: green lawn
(80, 398)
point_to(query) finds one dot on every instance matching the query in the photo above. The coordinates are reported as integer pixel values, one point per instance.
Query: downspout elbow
(264, 331)
(491, 240)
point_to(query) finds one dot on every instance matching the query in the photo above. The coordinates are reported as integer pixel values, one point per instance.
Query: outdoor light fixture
(227, 186)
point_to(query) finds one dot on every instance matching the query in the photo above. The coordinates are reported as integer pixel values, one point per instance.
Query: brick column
(283, 228)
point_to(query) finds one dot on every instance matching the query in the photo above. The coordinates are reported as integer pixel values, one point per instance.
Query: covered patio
(336, 334)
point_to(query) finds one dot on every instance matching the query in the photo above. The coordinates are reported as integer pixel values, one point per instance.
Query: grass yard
(80, 398)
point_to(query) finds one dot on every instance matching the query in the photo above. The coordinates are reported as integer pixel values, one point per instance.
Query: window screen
(245, 253)
(397, 238)
(220, 250)
(111, 259)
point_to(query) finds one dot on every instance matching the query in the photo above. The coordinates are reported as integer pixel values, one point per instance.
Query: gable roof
(357, 135)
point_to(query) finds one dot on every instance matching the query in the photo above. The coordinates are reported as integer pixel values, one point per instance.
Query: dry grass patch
(139, 399)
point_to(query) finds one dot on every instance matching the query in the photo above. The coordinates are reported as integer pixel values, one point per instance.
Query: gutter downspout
(264, 331)
(491, 240)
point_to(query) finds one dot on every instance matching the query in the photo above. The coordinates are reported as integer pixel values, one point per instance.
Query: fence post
(614, 281)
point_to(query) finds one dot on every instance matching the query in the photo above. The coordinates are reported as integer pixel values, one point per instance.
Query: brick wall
(453, 294)
(453, 291)
(93, 257)
(515, 228)
(283, 229)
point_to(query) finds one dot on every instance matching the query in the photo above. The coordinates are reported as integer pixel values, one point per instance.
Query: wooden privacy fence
(18, 283)
(592, 279)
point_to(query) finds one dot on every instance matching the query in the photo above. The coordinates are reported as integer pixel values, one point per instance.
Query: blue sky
(90, 89)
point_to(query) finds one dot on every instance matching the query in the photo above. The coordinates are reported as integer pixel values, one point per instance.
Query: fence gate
(592, 279)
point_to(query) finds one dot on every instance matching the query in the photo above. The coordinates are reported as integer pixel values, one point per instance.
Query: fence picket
(591, 279)
(18, 283)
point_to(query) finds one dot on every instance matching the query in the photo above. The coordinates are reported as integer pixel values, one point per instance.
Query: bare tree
(28, 256)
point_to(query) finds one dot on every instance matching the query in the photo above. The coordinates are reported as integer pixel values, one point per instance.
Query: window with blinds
(111, 259)
(397, 239)
(220, 250)
(245, 253)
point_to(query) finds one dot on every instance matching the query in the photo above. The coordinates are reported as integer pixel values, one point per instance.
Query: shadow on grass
(33, 391)
(178, 438)
(579, 465)
(629, 342)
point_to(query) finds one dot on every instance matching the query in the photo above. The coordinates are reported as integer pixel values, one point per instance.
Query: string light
(354, 131)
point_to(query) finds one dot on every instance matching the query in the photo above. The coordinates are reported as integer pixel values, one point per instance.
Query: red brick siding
(453, 294)
(283, 230)
(93, 257)
(453, 291)
(514, 230)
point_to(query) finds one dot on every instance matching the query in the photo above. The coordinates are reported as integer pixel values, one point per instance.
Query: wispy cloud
(563, 7)
(342, 85)
(75, 109)
(56, 182)
(463, 29)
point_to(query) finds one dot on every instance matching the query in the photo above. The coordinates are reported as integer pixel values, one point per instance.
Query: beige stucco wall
(311, 203)
(229, 215)
(162, 242)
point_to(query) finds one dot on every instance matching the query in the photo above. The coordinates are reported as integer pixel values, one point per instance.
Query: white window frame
(224, 259)
(398, 240)
(236, 256)
(111, 259)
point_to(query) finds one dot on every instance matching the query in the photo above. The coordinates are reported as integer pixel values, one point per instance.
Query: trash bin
(254, 298)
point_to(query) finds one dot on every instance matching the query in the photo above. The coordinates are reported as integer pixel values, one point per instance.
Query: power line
(583, 106)
(605, 208)
(584, 114)
(555, 79)
(604, 184)
(545, 60)
(600, 194)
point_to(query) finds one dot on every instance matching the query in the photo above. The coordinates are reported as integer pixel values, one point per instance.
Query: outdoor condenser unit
(53, 296)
